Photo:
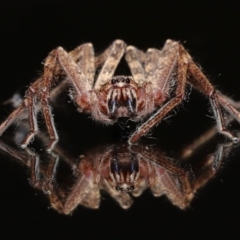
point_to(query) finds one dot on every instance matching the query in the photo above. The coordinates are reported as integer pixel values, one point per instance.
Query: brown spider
(156, 76)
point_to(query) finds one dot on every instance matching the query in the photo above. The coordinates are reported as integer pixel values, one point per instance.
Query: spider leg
(75, 76)
(162, 75)
(221, 125)
(141, 66)
(134, 58)
(84, 57)
(32, 113)
(47, 183)
(201, 83)
(208, 135)
(33, 108)
(114, 55)
(101, 58)
(35, 169)
(170, 60)
(12, 117)
(150, 64)
(41, 91)
(83, 52)
(172, 56)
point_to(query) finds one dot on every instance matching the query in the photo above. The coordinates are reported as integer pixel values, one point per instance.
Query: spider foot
(232, 138)
(51, 146)
(133, 140)
(235, 140)
(132, 143)
(27, 140)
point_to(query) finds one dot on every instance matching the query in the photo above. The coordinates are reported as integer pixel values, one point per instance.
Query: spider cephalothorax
(120, 97)
(157, 85)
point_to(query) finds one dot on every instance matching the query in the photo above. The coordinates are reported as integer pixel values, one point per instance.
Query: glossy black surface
(208, 30)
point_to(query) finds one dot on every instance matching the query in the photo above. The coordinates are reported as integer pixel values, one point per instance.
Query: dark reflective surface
(122, 171)
(207, 29)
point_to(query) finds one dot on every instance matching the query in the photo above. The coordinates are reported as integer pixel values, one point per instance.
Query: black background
(209, 30)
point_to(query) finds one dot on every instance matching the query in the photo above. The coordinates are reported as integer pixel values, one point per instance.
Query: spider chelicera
(157, 85)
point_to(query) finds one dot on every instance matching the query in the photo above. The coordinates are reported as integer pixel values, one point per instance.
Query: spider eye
(113, 81)
(127, 80)
(131, 188)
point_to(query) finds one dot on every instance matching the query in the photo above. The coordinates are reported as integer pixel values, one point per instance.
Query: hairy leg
(133, 58)
(113, 56)
(202, 84)
(84, 57)
(173, 62)
(151, 61)
(173, 56)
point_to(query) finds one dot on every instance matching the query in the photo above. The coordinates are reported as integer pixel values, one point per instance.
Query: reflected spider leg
(47, 182)
(164, 171)
(174, 59)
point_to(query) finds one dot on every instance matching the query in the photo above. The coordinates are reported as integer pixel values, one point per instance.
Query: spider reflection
(123, 171)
